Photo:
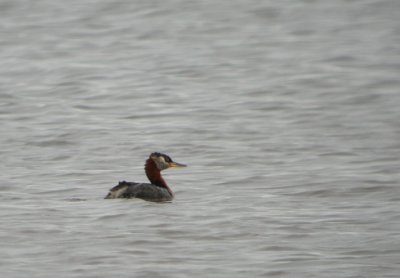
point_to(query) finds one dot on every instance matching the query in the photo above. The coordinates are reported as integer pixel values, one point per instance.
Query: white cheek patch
(161, 163)
(161, 159)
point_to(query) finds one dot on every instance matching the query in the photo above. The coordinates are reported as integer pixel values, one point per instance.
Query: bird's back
(145, 191)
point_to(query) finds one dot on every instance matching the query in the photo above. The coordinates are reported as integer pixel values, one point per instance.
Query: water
(287, 113)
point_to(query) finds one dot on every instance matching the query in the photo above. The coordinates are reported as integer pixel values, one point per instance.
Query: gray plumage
(145, 191)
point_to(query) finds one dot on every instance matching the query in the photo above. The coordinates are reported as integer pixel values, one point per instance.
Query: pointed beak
(176, 165)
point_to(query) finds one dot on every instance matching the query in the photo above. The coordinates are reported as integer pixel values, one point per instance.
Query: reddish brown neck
(154, 175)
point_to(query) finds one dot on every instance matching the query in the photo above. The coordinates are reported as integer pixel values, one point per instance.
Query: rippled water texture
(287, 113)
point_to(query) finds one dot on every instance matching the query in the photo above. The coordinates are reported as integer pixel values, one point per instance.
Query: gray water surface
(287, 113)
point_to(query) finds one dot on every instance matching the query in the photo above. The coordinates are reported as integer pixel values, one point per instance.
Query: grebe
(157, 190)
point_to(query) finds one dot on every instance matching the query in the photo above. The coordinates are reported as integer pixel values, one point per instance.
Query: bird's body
(145, 191)
(157, 190)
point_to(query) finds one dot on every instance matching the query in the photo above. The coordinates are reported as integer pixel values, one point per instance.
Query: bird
(155, 191)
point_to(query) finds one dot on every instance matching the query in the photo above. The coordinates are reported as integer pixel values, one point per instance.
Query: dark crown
(166, 157)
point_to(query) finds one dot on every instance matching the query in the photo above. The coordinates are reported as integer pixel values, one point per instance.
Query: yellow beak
(176, 165)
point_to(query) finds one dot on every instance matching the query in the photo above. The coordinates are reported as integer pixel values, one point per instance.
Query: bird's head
(163, 161)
